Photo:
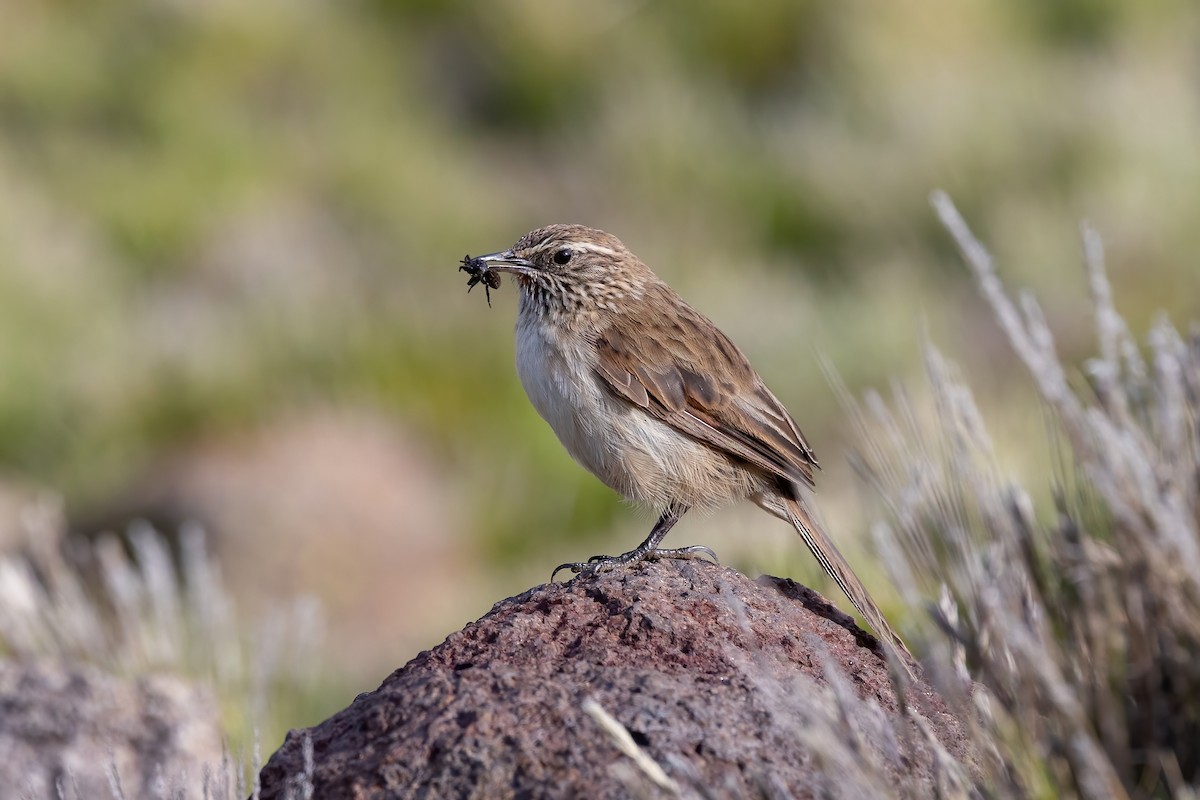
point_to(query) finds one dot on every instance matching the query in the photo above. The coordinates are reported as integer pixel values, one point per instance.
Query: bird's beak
(506, 261)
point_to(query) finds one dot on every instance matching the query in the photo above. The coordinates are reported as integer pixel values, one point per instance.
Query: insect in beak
(484, 269)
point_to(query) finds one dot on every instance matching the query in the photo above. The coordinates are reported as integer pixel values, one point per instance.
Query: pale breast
(641, 458)
(560, 385)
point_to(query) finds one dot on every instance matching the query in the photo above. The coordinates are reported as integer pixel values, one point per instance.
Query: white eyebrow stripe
(595, 248)
(587, 247)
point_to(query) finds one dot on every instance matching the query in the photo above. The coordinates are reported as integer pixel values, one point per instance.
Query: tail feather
(835, 565)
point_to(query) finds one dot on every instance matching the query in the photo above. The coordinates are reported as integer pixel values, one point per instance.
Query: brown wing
(684, 371)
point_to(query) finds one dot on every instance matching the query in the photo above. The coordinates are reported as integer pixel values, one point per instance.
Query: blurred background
(229, 235)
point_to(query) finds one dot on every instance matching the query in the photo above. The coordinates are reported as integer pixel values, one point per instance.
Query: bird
(648, 395)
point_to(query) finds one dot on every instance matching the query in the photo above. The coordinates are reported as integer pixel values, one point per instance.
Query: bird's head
(572, 269)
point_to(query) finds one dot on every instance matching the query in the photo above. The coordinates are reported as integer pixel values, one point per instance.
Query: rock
(720, 679)
(318, 496)
(22, 506)
(64, 728)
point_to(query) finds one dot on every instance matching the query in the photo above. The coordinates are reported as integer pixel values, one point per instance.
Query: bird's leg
(647, 549)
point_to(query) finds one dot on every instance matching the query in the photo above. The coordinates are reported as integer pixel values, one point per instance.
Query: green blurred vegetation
(211, 214)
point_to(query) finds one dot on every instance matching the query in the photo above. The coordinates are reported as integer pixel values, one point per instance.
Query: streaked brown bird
(653, 399)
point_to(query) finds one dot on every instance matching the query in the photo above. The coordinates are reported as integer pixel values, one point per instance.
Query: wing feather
(719, 399)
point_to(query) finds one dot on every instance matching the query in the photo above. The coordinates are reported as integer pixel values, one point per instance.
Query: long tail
(835, 565)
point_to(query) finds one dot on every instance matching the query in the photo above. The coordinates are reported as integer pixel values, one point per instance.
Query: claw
(575, 567)
(693, 551)
(597, 564)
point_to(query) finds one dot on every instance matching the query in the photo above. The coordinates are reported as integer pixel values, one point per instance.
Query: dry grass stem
(1082, 629)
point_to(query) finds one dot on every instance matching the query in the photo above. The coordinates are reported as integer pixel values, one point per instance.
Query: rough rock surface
(65, 729)
(720, 679)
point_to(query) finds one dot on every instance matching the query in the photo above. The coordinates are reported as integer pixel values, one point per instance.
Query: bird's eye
(563, 256)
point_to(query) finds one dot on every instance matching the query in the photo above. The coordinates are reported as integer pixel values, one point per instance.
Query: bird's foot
(598, 564)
